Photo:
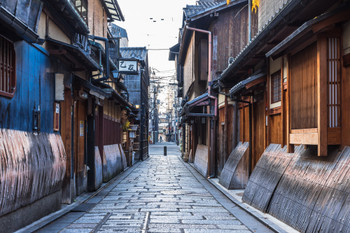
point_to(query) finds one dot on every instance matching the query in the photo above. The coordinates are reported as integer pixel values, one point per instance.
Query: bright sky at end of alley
(154, 24)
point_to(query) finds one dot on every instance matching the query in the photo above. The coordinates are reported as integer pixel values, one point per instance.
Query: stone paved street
(161, 194)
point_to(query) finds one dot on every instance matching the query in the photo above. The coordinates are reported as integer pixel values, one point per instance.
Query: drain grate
(84, 207)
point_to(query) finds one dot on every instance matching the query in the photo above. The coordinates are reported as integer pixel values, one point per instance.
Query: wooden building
(206, 41)
(52, 90)
(289, 84)
(133, 66)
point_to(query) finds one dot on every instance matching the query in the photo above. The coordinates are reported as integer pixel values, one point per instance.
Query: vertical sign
(56, 117)
(81, 129)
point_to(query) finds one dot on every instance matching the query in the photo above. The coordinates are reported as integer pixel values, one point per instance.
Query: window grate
(333, 83)
(7, 68)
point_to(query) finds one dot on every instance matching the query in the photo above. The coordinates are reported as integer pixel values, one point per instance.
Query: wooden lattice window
(333, 82)
(276, 87)
(81, 6)
(7, 68)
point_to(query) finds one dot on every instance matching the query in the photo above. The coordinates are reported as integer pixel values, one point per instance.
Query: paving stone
(163, 189)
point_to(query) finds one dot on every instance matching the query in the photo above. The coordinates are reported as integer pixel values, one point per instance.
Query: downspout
(210, 45)
(106, 40)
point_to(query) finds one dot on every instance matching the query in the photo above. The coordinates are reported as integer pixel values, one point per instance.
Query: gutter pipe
(211, 123)
(210, 45)
(19, 27)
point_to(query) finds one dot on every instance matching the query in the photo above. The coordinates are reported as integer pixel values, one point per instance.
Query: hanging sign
(127, 66)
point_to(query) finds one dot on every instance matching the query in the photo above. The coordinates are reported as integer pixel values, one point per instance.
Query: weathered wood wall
(230, 35)
(307, 192)
(235, 172)
(230, 130)
(244, 123)
(34, 86)
(32, 167)
(258, 131)
(275, 134)
(346, 87)
(79, 146)
(303, 80)
(221, 140)
(201, 159)
(189, 66)
(266, 176)
(66, 133)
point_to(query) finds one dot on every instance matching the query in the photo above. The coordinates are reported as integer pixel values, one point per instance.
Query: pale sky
(162, 34)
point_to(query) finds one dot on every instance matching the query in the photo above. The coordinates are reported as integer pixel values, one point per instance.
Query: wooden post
(290, 147)
(322, 95)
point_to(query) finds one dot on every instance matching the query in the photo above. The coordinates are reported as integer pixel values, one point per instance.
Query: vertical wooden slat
(290, 147)
(322, 98)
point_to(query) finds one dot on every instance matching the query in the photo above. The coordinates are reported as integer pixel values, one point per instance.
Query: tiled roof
(117, 31)
(193, 10)
(139, 53)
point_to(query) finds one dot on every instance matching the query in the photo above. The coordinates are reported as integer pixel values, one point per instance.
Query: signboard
(81, 133)
(126, 66)
(59, 87)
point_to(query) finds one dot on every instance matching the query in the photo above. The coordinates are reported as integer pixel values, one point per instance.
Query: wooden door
(80, 137)
(66, 134)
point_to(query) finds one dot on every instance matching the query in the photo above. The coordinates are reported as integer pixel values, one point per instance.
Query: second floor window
(276, 87)
(7, 68)
(81, 6)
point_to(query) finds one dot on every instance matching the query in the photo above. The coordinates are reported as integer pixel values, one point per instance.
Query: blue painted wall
(34, 85)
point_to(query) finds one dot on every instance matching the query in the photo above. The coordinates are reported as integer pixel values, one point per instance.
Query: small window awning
(248, 83)
(93, 90)
(72, 52)
(112, 94)
(113, 10)
(200, 101)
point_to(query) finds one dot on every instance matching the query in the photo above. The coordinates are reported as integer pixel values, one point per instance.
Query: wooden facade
(47, 101)
(193, 60)
(297, 115)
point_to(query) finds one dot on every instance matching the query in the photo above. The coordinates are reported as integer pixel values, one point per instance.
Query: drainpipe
(211, 123)
(106, 40)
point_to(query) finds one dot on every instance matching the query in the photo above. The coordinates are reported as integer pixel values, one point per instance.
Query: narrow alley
(161, 194)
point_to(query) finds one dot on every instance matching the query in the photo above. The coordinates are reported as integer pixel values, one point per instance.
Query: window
(81, 6)
(276, 87)
(7, 68)
(333, 82)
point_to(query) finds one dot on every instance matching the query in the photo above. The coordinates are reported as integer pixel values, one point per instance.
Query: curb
(42, 222)
(259, 216)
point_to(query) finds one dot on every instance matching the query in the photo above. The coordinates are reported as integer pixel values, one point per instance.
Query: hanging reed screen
(7, 68)
(333, 83)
